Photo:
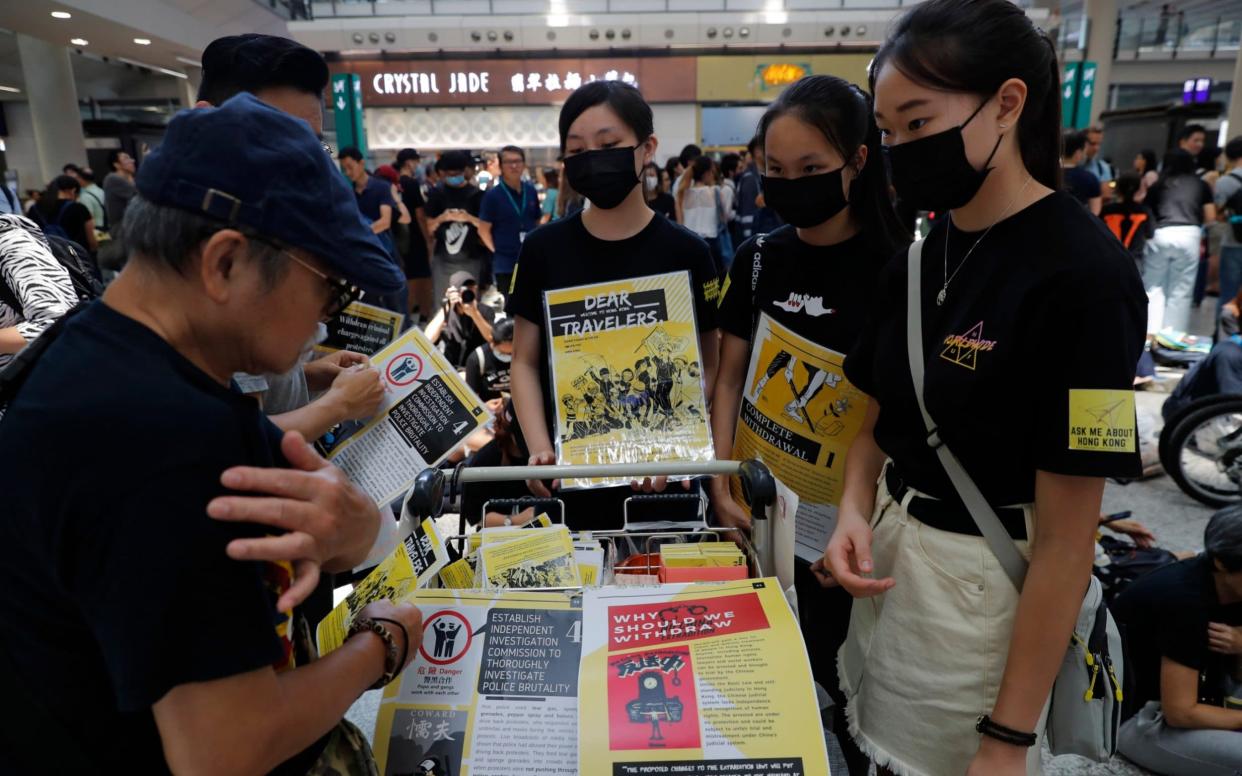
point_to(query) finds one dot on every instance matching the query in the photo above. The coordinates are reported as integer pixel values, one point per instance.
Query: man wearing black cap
(464, 322)
(417, 261)
(290, 77)
(453, 216)
(148, 580)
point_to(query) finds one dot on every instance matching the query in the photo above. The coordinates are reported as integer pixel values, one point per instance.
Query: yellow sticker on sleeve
(1102, 421)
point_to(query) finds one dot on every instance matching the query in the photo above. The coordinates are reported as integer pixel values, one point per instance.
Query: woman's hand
(1142, 536)
(848, 557)
(542, 458)
(996, 758)
(728, 512)
(823, 575)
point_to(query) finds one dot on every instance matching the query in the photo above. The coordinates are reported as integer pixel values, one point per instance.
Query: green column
(1069, 93)
(347, 111)
(1086, 90)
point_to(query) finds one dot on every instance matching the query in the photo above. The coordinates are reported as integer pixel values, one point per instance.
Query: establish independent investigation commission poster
(627, 373)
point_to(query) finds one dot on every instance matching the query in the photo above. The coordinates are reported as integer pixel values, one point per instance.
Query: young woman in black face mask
(607, 137)
(967, 99)
(816, 276)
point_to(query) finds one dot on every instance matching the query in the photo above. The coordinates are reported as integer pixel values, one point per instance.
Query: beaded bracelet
(391, 666)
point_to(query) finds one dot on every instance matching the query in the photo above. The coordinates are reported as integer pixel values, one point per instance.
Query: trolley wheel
(1201, 449)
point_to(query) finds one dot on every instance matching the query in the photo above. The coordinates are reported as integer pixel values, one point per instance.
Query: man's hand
(325, 520)
(1141, 535)
(322, 371)
(453, 298)
(356, 392)
(408, 615)
(1224, 639)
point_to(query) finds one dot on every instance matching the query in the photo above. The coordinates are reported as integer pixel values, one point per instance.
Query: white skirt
(924, 661)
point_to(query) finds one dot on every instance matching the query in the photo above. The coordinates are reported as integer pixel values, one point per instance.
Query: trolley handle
(426, 497)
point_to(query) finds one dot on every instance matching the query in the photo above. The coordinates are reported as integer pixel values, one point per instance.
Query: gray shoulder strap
(985, 518)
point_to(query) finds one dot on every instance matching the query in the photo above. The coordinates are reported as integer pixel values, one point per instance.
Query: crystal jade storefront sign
(509, 82)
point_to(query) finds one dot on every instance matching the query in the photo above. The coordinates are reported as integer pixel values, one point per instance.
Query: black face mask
(807, 201)
(933, 173)
(606, 177)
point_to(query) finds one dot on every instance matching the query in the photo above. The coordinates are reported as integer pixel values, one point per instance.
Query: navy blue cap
(248, 164)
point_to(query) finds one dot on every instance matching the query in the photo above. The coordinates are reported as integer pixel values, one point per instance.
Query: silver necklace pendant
(940, 297)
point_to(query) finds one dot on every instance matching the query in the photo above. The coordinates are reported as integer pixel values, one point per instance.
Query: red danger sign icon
(404, 369)
(446, 637)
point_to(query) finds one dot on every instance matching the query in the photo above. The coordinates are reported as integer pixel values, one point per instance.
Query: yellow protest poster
(799, 415)
(415, 562)
(492, 689)
(536, 558)
(361, 328)
(427, 411)
(627, 373)
(696, 679)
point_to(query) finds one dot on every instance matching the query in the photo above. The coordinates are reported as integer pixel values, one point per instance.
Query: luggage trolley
(434, 487)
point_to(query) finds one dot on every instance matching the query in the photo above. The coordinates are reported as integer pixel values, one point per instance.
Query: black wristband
(405, 642)
(1006, 735)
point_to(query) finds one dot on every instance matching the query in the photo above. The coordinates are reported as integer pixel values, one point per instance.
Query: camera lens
(467, 295)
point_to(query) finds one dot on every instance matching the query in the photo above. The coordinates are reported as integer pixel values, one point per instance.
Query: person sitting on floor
(1183, 642)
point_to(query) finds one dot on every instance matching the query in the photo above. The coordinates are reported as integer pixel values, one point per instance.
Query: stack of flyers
(537, 558)
(590, 558)
(415, 562)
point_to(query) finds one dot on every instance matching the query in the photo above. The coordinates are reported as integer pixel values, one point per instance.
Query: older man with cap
(291, 77)
(158, 528)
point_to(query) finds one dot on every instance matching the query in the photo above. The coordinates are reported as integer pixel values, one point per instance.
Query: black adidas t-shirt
(823, 293)
(1030, 362)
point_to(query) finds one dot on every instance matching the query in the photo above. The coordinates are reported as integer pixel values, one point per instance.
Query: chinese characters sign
(516, 82)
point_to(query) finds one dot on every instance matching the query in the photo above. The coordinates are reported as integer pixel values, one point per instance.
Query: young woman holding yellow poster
(955, 643)
(794, 303)
(607, 137)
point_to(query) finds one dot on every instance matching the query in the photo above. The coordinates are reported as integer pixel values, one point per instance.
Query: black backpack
(1127, 562)
(75, 260)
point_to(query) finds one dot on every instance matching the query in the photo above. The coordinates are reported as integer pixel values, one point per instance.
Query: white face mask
(503, 358)
(652, 182)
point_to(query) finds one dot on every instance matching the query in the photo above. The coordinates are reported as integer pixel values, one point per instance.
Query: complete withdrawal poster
(627, 374)
(799, 415)
(695, 680)
(426, 412)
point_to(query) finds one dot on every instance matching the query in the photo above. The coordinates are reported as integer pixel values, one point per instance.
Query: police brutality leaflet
(493, 690)
(799, 415)
(536, 558)
(361, 328)
(696, 679)
(627, 374)
(427, 411)
(415, 562)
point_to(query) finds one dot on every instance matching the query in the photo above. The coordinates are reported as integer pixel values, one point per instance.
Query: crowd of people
(157, 620)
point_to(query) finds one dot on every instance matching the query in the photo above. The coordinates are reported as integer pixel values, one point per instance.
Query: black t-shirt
(1081, 184)
(1178, 200)
(456, 240)
(115, 586)
(1132, 223)
(823, 293)
(70, 216)
(461, 336)
(475, 494)
(412, 198)
(486, 375)
(1165, 613)
(665, 205)
(1030, 362)
(563, 254)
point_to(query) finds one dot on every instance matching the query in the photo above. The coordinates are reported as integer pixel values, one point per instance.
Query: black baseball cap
(246, 63)
(248, 164)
